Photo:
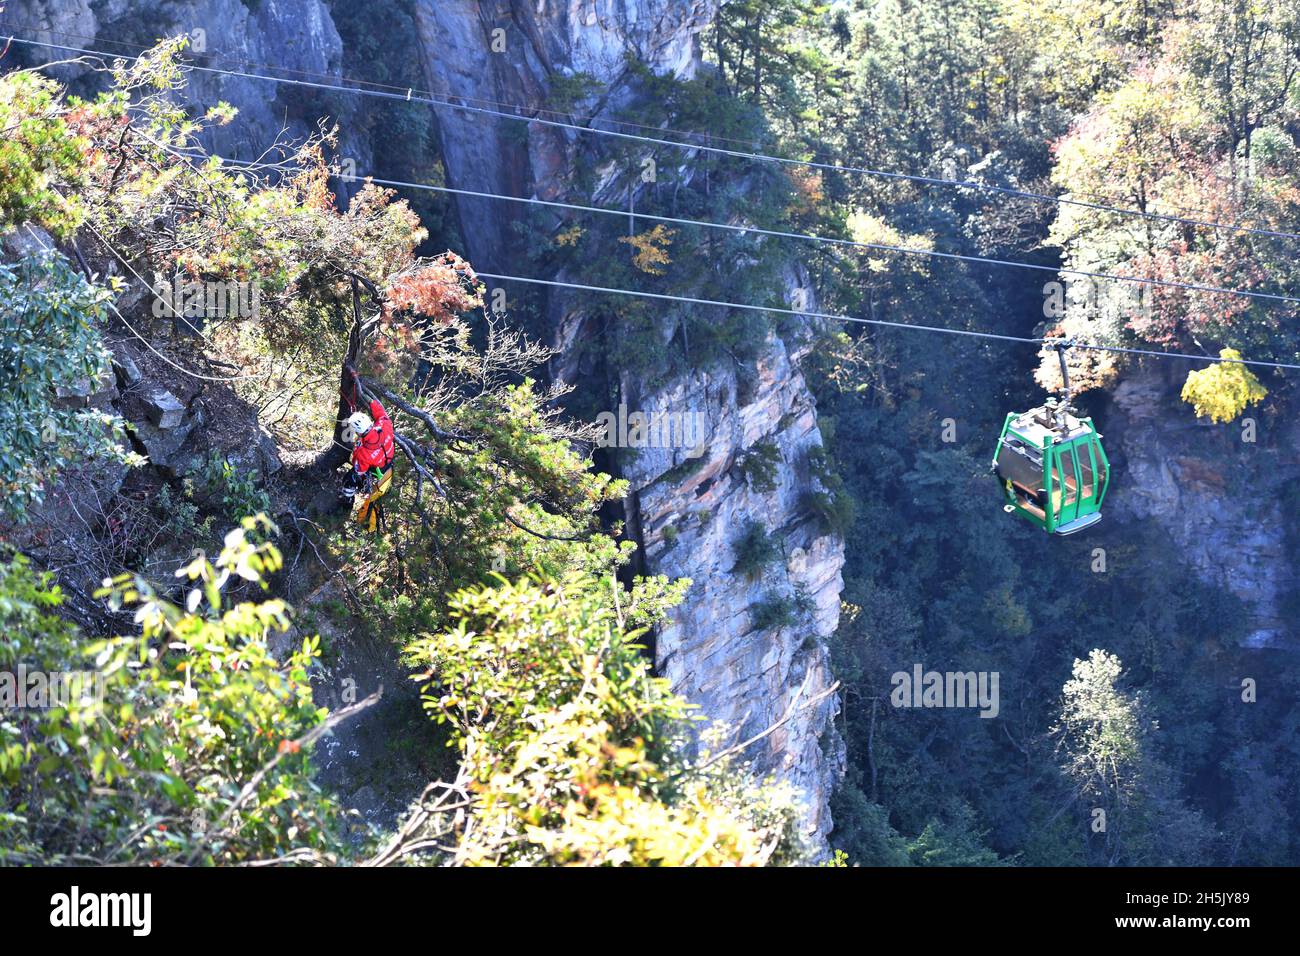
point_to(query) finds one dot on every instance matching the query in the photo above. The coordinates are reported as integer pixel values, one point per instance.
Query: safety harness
(372, 460)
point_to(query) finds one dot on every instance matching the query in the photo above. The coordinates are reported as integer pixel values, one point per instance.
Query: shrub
(572, 751)
(773, 613)
(834, 511)
(161, 763)
(236, 487)
(1222, 391)
(49, 343)
(761, 464)
(754, 550)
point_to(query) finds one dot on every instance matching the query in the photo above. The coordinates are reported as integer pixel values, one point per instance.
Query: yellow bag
(366, 514)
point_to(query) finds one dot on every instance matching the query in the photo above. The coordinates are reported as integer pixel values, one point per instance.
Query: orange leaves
(440, 289)
(311, 183)
(809, 190)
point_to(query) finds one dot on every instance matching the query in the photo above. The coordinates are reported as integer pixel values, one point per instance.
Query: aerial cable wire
(662, 296)
(137, 49)
(831, 240)
(751, 307)
(410, 97)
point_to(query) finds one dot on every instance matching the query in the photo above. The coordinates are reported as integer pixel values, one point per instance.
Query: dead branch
(794, 708)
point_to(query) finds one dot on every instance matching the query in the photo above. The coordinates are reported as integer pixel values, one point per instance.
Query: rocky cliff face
(686, 510)
(1223, 499)
(296, 36)
(719, 652)
(503, 54)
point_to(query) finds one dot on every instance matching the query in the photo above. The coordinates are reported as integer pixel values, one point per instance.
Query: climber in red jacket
(373, 447)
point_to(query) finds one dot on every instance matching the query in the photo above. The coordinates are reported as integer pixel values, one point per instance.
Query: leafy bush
(1222, 391)
(835, 511)
(774, 612)
(191, 748)
(237, 487)
(572, 751)
(754, 550)
(37, 149)
(49, 343)
(761, 464)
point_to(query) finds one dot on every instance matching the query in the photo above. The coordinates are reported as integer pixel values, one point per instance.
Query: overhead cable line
(411, 97)
(690, 300)
(138, 48)
(830, 240)
(710, 137)
(773, 309)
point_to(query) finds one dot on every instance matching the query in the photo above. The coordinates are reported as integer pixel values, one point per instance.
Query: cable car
(1053, 470)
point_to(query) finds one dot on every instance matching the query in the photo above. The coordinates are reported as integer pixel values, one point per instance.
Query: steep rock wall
(714, 652)
(503, 54)
(506, 53)
(297, 36)
(717, 652)
(1224, 502)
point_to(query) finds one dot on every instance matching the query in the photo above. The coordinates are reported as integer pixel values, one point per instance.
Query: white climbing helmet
(356, 425)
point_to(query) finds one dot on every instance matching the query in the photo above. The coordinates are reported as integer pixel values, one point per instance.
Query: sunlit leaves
(575, 750)
(650, 249)
(38, 153)
(193, 706)
(1222, 391)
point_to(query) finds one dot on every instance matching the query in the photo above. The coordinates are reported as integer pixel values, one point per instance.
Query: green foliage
(862, 828)
(834, 510)
(761, 465)
(778, 610)
(774, 612)
(50, 345)
(832, 503)
(37, 151)
(1105, 738)
(754, 550)
(574, 752)
(159, 762)
(237, 488)
(952, 842)
(569, 90)
(180, 516)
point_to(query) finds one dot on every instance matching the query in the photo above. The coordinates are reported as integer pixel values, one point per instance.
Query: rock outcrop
(297, 36)
(507, 54)
(1223, 499)
(686, 512)
(719, 652)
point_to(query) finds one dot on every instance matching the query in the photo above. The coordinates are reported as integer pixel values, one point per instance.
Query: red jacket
(377, 446)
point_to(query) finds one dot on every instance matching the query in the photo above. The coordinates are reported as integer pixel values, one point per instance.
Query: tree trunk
(336, 453)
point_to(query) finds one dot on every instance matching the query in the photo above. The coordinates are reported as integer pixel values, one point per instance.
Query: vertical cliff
(686, 511)
(296, 36)
(739, 667)
(719, 652)
(1221, 492)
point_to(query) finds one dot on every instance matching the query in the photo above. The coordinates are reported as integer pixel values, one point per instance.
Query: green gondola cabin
(1053, 470)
